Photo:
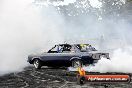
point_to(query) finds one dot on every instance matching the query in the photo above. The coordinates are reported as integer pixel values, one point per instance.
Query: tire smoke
(121, 61)
(25, 29)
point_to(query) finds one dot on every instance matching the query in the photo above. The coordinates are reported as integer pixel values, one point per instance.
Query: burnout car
(66, 55)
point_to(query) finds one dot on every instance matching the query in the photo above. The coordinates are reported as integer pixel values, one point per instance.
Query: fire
(81, 71)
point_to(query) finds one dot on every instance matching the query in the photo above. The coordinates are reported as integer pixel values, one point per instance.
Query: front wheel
(37, 63)
(77, 63)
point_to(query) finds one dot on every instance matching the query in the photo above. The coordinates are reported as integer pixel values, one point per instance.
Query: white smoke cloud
(121, 61)
(24, 29)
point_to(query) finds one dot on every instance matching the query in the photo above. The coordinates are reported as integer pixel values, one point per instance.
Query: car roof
(71, 44)
(64, 44)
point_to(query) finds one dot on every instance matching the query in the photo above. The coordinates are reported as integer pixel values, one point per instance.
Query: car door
(58, 56)
(51, 57)
(64, 55)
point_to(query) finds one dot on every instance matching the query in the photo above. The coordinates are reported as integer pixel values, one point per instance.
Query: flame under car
(66, 55)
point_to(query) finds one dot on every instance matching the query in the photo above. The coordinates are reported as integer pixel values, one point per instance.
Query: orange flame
(81, 71)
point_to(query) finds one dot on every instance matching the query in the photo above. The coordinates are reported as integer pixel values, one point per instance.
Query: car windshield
(85, 47)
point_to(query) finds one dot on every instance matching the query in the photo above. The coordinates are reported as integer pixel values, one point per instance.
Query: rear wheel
(77, 63)
(81, 80)
(37, 63)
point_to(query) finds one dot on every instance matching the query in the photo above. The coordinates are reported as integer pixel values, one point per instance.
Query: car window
(66, 48)
(85, 47)
(54, 49)
(60, 49)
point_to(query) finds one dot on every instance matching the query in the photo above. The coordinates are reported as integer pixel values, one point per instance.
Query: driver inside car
(60, 49)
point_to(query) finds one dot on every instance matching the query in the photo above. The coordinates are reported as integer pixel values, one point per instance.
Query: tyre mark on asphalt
(54, 76)
(23, 78)
(46, 78)
(65, 82)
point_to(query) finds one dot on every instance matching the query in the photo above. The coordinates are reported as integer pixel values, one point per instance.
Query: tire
(37, 63)
(81, 80)
(77, 63)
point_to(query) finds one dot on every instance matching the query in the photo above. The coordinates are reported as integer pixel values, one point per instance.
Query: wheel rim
(77, 63)
(36, 63)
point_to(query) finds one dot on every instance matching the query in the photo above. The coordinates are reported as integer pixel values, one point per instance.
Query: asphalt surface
(50, 78)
